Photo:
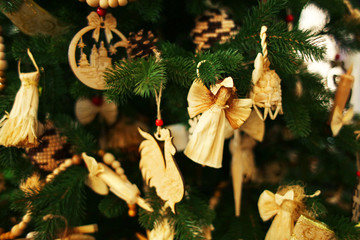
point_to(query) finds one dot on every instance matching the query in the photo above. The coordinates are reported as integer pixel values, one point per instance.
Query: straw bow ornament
(86, 111)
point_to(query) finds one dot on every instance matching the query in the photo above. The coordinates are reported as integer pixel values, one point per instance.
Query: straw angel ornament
(285, 206)
(218, 107)
(20, 127)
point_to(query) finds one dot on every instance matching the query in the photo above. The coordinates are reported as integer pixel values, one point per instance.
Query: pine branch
(112, 206)
(344, 229)
(149, 77)
(11, 159)
(180, 70)
(346, 139)
(150, 10)
(77, 136)
(148, 219)
(263, 14)
(79, 90)
(297, 118)
(140, 77)
(64, 196)
(218, 65)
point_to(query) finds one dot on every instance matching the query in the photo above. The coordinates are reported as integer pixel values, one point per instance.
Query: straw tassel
(20, 127)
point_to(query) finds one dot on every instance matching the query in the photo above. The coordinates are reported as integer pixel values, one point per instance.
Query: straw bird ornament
(160, 170)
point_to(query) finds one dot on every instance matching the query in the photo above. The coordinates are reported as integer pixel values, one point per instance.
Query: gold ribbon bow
(98, 22)
(200, 99)
(338, 120)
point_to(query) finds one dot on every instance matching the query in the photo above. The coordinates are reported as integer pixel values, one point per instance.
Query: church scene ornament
(90, 65)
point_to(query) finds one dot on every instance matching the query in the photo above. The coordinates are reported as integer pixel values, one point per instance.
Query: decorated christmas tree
(188, 120)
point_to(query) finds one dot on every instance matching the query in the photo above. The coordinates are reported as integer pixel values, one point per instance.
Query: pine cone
(141, 45)
(212, 27)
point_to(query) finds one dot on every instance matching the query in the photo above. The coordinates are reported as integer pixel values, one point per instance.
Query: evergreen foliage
(298, 145)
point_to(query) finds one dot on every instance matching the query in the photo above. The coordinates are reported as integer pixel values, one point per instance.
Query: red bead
(97, 100)
(337, 56)
(289, 18)
(358, 173)
(159, 122)
(101, 11)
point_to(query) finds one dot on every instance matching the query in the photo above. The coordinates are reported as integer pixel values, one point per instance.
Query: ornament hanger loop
(264, 46)
(317, 193)
(198, 67)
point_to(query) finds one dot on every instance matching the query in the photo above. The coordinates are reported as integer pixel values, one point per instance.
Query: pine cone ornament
(52, 150)
(211, 27)
(141, 45)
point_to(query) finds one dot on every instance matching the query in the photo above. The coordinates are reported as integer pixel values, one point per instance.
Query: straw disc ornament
(211, 27)
(90, 71)
(266, 92)
(52, 150)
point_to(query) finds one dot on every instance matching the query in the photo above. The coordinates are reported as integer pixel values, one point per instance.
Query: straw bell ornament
(266, 92)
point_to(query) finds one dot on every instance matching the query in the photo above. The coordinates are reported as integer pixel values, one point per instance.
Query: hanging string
(158, 95)
(264, 47)
(158, 102)
(290, 24)
(199, 47)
